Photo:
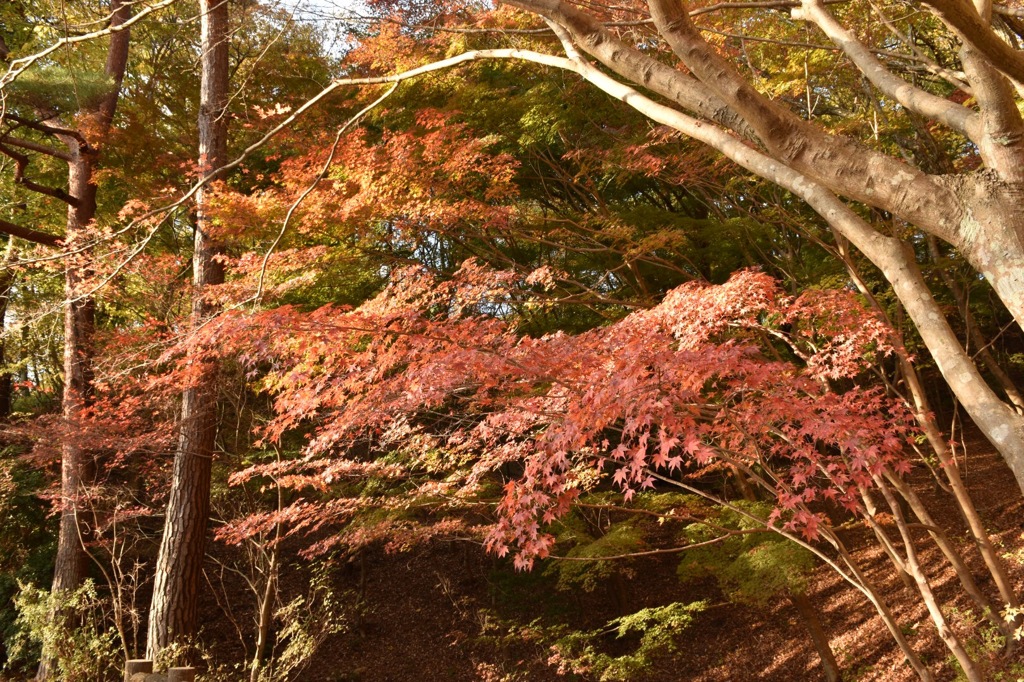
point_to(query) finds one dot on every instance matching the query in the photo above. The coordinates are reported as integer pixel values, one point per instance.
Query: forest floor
(448, 613)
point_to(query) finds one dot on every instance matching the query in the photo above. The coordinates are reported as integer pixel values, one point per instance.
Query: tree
(437, 389)
(453, 396)
(173, 614)
(709, 100)
(975, 213)
(81, 143)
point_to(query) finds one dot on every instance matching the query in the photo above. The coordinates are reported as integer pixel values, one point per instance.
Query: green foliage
(644, 635)
(73, 627)
(588, 535)
(57, 90)
(625, 646)
(27, 541)
(618, 539)
(655, 630)
(14, 28)
(751, 566)
(305, 624)
(666, 502)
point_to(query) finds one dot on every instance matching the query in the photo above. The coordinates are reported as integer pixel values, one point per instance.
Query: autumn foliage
(474, 272)
(734, 375)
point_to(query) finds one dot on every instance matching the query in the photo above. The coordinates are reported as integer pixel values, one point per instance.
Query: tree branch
(667, 550)
(1007, 11)
(48, 129)
(950, 114)
(837, 163)
(36, 147)
(963, 18)
(953, 78)
(30, 235)
(629, 62)
(18, 66)
(21, 164)
(1001, 142)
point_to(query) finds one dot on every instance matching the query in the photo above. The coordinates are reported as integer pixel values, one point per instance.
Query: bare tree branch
(19, 66)
(56, 131)
(962, 17)
(841, 164)
(21, 164)
(28, 234)
(35, 147)
(948, 113)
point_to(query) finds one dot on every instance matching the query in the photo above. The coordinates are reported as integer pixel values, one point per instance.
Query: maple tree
(712, 102)
(426, 371)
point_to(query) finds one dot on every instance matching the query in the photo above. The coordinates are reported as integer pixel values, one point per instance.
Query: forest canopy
(614, 318)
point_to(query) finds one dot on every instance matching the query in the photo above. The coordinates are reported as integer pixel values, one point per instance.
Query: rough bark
(174, 608)
(992, 236)
(6, 285)
(77, 465)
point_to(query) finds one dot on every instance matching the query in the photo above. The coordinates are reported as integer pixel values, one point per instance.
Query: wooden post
(181, 675)
(137, 665)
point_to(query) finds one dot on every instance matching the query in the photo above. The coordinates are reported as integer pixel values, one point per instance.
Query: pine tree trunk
(77, 465)
(6, 285)
(173, 613)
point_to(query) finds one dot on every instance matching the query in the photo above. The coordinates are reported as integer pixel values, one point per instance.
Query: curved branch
(965, 20)
(1002, 140)
(888, 253)
(47, 129)
(837, 163)
(19, 66)
(36, 147)
(258, 296)
(950, 114)
(629, 62)
(21, 164)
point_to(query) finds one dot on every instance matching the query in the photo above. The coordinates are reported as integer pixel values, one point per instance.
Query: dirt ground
(442, 613)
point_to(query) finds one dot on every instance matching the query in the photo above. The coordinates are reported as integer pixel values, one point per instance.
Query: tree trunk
(173, 613)
(77, 465)
(818, 636)
(974, 335)
(946, 634)
(992, 239)
(265, 618)
(1003, 427)
(6, 285)
(925, 419)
